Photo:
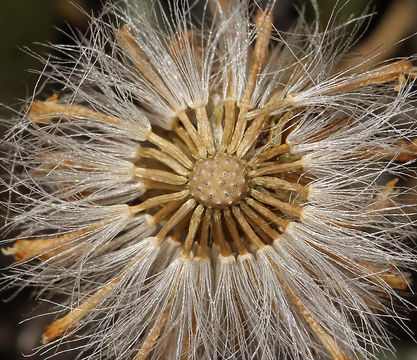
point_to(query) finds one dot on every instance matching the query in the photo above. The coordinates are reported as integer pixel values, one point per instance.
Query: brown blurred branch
(399, 19)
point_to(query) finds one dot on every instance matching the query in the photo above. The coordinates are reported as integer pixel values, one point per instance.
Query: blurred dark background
(28, 23)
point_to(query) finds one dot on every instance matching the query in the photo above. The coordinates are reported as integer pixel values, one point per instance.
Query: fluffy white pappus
(239, 322)
(86, 178)
(212, 188)
(330, 302)
(179, 56)
(233, 47)
(306, 55)
(69, 246)
(158, 289)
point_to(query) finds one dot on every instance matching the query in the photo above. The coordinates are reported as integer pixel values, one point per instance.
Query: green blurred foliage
(22, 23)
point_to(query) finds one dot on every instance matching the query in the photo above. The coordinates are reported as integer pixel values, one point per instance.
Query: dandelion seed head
(214, 190)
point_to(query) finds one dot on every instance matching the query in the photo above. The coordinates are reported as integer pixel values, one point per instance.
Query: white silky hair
(217, 307)
(234, 47)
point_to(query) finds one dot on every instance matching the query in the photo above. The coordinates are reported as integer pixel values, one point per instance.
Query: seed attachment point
(219, 182)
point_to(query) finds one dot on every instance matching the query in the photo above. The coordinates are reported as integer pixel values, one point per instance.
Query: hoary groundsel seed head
(215, 193)
(236, 201)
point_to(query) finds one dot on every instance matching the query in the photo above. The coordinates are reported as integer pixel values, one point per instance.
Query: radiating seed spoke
(277, 168)
(159, 200)
(269, 153)
(204, 234)
(234, 233)
(180, 145)
(192, 229)
(280, 205)
(216, 120)
(279, 184)
(251, 237)
(180, 229)
(175, 219)
(58, 160)
(165, 211)
(153, 333)
(255, 129)
(409, 153)
(159, 323)
(252, 133)
(170, 149)
(327, 340)
(252, 216)
(160, 175)
(152, 337)
(204, 129)
(342, 124)
(229, 115)
(382, 201)
(259, 231)
(179, 43)
(194, 135)
(266, 213)
(383, 74)
(280, 105)
(186, 139)
(218, 235)
(387, 274)
(156, 185)
(379, 274)
(144, 152)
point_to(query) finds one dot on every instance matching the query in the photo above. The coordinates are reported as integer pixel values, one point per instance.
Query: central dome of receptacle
(219, 181)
